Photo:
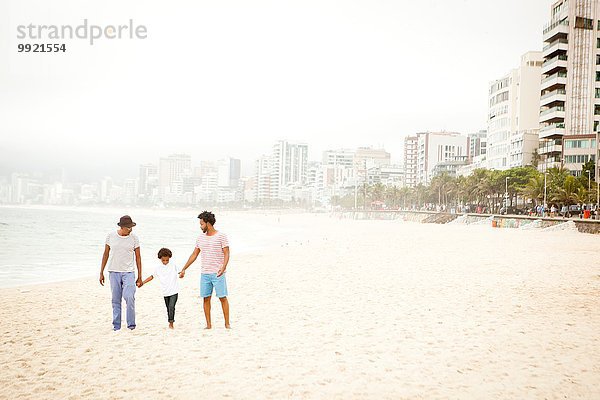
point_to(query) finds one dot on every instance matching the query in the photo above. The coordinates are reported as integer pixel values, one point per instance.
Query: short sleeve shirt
(211, 251)
(122, 250)
(167, 275)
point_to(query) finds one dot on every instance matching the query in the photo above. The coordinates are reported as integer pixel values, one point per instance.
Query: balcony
(555, 63)
(558, 79)
(553, 96)
(552, 130)
(557, 45)
(553, 113)
(550, 147)
(556, 30)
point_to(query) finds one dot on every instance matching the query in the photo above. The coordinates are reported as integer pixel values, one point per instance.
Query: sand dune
(354, 309)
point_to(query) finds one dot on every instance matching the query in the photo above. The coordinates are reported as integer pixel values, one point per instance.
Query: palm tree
(556, 179)
(534, 189)
(392, 196)
(377, 192)
(581, 195)
(405, 194)
(566, 195)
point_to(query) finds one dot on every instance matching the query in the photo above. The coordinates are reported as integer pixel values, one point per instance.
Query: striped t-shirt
(211, 251)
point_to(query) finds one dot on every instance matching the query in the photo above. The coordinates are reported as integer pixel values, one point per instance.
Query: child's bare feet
(227, 326)
(171, 325)
(208, 327)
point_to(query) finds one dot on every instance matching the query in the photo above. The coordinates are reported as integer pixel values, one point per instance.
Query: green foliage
(483, 187)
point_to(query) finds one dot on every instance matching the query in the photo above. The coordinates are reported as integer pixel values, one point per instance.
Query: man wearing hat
(122, 245)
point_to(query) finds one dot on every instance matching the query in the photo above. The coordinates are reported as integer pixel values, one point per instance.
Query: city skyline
(229, 79)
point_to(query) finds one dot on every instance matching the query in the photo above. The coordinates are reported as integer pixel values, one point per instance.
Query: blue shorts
(208, 281)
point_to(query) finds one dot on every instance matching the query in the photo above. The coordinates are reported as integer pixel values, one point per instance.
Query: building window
(584, 23)
(579, 144)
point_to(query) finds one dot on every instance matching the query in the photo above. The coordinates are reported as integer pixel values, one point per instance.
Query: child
(167, 274)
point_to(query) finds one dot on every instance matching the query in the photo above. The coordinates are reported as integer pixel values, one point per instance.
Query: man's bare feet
(208, 327)
(227, 326)
(171, 325)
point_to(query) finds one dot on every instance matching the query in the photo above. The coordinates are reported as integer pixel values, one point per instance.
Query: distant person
(122, 246)
(214, 249)
(166, 272)
(564, 210)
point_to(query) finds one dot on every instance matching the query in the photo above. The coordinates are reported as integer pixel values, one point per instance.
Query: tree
(392, 196)
(586, 179)
(534, 189)
(566, 195)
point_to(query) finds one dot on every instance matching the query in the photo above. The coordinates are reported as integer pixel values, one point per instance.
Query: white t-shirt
(122, 250)
(167, 275)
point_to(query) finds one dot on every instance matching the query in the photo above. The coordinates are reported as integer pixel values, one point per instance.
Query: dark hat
(126, 222)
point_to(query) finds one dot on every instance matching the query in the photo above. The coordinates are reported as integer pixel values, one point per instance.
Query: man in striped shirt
(214, 249)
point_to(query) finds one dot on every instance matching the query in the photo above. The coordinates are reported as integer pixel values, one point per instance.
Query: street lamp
(506, 195)
(544, 209)
(589, 183)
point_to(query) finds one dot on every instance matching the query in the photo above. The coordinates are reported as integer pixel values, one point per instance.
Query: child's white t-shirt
(167, 275)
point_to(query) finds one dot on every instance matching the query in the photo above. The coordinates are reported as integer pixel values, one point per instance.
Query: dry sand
(357, 309)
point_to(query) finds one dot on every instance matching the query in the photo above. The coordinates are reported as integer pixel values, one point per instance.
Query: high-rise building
(411, 156)
(437, 147)
(477, 144)
(570, 87)
(339, 169)
(262, 181)
(172, 170)
(339, 158)
(228, 172)
(513, 118)
(288, 166)
(148, 180)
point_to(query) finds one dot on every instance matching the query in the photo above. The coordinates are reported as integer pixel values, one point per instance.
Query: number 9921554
(41, 48)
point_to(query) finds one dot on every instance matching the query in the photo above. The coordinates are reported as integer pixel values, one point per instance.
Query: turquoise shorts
(208, 281)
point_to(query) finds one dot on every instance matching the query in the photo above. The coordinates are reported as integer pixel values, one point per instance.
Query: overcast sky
(228, 78)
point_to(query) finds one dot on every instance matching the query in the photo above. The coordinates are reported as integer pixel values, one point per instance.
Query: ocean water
(49, 244)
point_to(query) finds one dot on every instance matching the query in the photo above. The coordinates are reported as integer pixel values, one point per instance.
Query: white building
(570, 88)
(437, 147)
(477, 144)
(411, 156)
(228, 172)
(148, 180)
(172, 170)
(288, 166)
(262, 181)
(340, 169)
(513, 117)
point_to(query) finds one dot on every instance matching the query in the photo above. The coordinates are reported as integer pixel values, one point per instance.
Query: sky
(227, 78)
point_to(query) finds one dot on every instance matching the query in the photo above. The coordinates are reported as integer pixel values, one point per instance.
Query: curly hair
(207, 217)
(164, 252)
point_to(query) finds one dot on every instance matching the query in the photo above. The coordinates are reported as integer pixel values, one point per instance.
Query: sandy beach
(351, 310)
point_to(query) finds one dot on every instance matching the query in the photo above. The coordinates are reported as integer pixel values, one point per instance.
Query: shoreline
(82, 252)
